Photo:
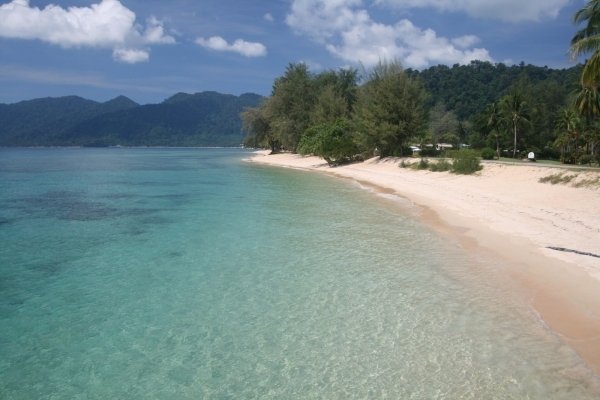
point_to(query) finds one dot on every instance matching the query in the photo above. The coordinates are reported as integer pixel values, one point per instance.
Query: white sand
(505, 210)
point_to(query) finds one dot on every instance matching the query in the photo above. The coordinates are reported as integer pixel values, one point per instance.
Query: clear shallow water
(186, 273)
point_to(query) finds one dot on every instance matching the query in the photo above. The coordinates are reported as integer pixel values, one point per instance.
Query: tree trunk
(515, 143)
(577, 145)
(273, 144)
(497, 146)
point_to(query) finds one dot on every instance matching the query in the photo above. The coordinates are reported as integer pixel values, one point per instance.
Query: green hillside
(201, 119)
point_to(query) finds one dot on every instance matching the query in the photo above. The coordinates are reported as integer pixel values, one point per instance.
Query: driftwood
(583, 253)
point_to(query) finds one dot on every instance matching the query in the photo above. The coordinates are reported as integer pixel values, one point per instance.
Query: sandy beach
(505, 211)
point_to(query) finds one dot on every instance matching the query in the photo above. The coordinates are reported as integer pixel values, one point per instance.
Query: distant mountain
(35, 122)
(201, 119)
(118, 103)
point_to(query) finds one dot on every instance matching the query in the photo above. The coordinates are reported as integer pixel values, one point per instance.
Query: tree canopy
(315, 113)
(388, 108)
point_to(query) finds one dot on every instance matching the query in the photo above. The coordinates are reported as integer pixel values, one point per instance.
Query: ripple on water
(308, 288)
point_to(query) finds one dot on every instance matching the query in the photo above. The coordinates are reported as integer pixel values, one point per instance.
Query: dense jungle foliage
(511, 109)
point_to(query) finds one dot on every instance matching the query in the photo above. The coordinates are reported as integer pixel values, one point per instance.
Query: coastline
(505, 212)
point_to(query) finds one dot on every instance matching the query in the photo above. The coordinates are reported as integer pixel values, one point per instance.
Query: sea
(167, 273)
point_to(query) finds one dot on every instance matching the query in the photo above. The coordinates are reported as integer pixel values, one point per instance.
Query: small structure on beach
(443, 146)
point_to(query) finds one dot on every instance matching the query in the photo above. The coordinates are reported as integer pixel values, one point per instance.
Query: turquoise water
(190, 274)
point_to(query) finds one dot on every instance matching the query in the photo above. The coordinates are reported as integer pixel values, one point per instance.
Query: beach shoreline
(506, 213)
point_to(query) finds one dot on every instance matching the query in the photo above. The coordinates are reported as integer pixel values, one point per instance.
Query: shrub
(331, 141)
(557, 178)
(440, 166)
(452, 153)
(310, 142)
(488, 153)
(423, 164)
(591, 182)
(465, 162)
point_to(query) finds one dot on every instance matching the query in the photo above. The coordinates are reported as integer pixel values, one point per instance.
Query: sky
(149, 50)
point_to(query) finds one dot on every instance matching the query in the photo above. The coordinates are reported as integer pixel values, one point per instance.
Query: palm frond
(590, 76)
(585, 45)
(588, 101)
(588, 13)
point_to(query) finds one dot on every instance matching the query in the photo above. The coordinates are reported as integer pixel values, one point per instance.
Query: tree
(495, 121)
(567, 124)
(256, 121)
(587, 40)
(591, 136)
(332, 141)
(443, 124)
(335, 97)
(347, 87)
(514, 109)
(587, 103)
(389, 110)
(329, 107)
(291, 103)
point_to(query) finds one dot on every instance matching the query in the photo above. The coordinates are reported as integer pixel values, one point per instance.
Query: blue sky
(150, 49)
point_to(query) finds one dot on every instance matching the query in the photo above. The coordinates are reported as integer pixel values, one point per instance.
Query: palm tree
(494, 121)
(514, 109)
(591, 137)
(587, 40)
(587, 103)
(568, 123)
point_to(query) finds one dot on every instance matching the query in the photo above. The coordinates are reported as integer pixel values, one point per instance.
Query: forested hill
(201, 119)
(468, 89)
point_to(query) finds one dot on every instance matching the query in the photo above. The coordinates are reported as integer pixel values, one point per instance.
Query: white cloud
(107, 24)
(131, 56)
(248, 49)
(155, 33)
(322, 19)
(268, 17)
(349, 32)
(466, 41)
(505, 10)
